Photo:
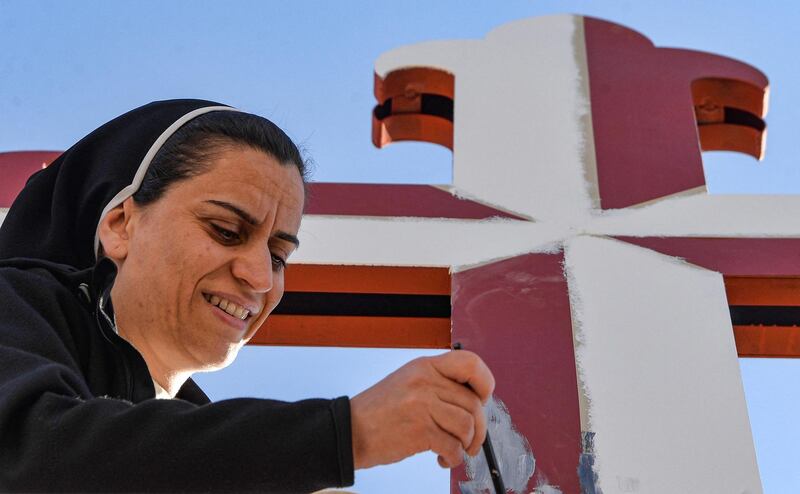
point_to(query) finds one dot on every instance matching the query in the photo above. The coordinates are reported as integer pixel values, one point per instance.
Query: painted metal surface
(15, 169)
(769, 296)
(759, 273)
(767, 341)
(516, 315)
(521, 114)
(659, 372)
(729, 115)
(513, 458)
(760, 290)
(773, 257)
(361, 306)
(414, 104)
(643, 112)
(620, 126)
(396, 200)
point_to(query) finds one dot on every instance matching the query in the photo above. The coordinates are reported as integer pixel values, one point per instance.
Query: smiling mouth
(232, 309)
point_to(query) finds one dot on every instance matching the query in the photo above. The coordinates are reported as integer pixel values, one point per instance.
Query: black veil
(56, 215)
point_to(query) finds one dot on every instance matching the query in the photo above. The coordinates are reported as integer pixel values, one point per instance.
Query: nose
(253, 267)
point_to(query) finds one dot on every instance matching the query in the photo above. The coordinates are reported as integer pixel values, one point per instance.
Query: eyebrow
(248, 218)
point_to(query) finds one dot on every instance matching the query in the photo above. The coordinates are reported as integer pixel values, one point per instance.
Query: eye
(278, 263)
(224, 235)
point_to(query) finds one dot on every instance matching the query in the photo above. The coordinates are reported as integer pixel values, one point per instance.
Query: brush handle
(488, 451)
(494, 469)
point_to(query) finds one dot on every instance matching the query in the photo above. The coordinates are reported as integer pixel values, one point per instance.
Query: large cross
(576, 251)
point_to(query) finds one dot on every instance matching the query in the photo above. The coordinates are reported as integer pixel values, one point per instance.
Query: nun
(152, 249)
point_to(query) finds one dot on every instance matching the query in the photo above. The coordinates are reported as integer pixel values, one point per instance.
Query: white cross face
(598, 292)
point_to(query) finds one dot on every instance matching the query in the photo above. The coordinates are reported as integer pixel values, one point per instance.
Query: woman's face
(205, 263)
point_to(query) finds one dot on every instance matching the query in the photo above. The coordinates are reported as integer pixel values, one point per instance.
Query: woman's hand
(429, 404)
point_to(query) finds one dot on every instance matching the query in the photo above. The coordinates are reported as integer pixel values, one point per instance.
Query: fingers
(465, 404)
(447, 447)
(466, 368)
(455, 421)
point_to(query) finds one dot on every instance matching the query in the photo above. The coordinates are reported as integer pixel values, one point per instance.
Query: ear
(115, 231)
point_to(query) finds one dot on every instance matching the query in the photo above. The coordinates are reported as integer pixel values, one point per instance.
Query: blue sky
(67, 67)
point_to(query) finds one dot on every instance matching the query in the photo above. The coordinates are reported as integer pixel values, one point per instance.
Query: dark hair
(188, 152)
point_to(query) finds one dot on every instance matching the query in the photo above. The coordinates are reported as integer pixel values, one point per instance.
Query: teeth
(228, 306)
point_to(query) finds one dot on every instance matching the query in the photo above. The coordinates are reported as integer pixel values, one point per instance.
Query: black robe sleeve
(56, 436)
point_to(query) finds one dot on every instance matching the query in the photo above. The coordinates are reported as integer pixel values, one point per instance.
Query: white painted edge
(419, 241)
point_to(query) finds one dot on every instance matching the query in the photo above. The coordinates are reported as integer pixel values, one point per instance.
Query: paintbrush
(488, 451)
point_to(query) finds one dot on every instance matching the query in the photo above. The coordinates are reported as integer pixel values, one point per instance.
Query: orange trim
(350, 331)
(405, 88)
(360, 331)
(754, 290)
(367, 279)
(711, 96)
(767, 341)
(718, 92)
(412, 127)
(728, 137)
(414, 81)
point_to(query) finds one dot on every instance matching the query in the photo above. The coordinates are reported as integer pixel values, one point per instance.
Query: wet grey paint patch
(586, 472)
(471, 487)
(514, 456)
(547, 489)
